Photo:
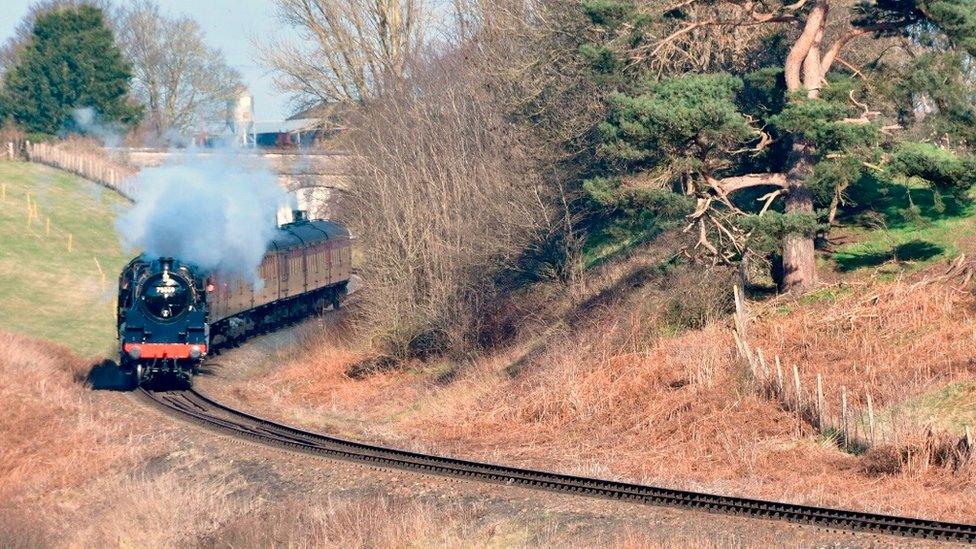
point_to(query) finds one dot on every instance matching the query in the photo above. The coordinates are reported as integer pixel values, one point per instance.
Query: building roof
(320, 111)
(286, 126)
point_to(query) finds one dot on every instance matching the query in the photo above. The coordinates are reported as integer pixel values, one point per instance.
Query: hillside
(58, 267)
(636, 376)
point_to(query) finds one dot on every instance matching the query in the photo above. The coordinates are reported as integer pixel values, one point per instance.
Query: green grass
(950, 408)
(46, 291)
(612, 239)
(910, 226)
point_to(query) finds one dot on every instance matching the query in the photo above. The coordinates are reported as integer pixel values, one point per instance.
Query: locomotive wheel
(335, 302)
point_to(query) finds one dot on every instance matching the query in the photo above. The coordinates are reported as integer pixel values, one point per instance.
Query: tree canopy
(71, 62)
(183, 84)
(769, 142)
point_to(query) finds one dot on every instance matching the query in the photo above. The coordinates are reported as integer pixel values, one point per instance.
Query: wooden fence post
(799, 392)
(843, 413)
(740, 312)
(820, 402)
(870, 418)
(100, 271)
(779, 378)
(762, 363)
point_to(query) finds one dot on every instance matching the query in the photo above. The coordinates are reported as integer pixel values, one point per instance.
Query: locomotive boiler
(172, 314)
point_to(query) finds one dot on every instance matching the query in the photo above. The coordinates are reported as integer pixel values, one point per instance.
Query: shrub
(446, 197)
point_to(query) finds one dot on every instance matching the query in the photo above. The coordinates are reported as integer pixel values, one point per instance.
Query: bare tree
(183, 83)
(446, 195)
(350, 50)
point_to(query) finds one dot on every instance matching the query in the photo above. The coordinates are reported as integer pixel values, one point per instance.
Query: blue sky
(230, 25)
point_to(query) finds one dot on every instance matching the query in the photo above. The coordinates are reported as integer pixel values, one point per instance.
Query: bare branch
(352, 50)
(729, 185)
(769, 198)
(181, 81)
(834, 50)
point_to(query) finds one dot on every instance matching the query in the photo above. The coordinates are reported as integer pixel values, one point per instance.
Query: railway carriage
(171, 315)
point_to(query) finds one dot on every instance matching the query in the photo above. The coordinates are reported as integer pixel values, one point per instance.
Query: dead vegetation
(75, 473)
(53, 435)
(607, 383)
(372, 521)
(446, 198)
(862, 362)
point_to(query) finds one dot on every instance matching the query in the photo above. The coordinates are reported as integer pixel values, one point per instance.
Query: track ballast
(199, 409)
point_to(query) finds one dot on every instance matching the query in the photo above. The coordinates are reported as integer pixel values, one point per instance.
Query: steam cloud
(87, 121)
(214, 210)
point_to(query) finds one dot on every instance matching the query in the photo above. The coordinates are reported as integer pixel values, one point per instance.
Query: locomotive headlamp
(195, 352)
(135, 352)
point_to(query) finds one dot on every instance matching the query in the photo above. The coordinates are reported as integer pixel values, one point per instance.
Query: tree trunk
(799, 261)
(802, 69)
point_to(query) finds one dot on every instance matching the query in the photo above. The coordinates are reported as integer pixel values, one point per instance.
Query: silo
(243, 122)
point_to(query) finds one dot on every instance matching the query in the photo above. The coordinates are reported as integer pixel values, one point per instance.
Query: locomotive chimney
(298, 216)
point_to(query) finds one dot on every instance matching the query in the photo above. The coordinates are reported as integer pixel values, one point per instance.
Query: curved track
(202, 410)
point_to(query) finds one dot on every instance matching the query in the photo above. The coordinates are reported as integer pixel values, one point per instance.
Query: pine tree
(71, 62)
(794, 130)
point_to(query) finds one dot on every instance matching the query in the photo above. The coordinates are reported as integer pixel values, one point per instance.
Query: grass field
(911, 228)
(46, 290)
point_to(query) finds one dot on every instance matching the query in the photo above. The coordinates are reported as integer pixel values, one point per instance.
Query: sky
(230, 25)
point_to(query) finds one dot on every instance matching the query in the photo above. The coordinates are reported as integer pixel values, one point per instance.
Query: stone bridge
(316, 178)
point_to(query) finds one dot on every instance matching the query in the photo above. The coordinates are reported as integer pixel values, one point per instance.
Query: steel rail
(199, 409)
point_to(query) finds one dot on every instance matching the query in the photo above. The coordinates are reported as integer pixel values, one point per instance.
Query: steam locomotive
(171, 314)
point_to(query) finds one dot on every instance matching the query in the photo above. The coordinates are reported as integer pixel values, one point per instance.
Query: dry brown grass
(72, 474)
(895, 339)
(53, 437)
(606, 391)
(381, 521)
(367, 521)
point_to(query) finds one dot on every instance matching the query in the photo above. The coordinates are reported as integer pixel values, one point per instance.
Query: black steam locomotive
(171, 314)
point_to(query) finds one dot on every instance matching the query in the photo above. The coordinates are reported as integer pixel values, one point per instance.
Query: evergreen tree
(792, 130)
(71, 62)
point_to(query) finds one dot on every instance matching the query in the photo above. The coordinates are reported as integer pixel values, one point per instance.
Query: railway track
(197, 408)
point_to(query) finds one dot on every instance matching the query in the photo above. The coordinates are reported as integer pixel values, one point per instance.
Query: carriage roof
(303, 233)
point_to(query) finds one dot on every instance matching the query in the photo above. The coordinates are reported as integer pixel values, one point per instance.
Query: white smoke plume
(86, 120)
(216, 210)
